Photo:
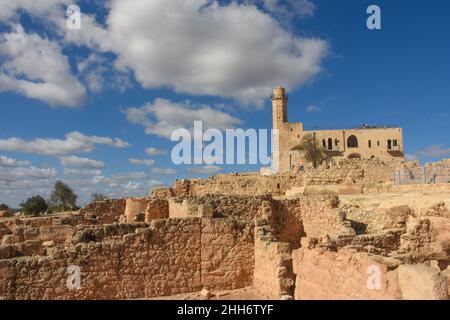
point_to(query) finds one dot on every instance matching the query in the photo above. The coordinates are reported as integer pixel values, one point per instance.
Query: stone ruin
(332, 233)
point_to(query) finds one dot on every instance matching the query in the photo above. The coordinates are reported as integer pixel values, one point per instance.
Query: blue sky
(98, 97)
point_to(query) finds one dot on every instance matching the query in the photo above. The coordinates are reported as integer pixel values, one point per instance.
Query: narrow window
(330, 144)
(370, 144)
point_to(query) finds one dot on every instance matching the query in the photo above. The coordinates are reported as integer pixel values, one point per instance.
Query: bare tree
(311, 150)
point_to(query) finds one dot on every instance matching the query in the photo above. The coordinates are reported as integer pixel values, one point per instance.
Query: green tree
(63, 197)
(311, 150)
(96, 196)
(3, 207)
(34, 206)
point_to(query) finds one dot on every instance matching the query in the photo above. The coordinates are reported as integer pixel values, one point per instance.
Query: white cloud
(74, 142)
(94, 69)
(205, 170)
(119, 178)
(15, 174)
(313, 108)
(82, 172)
(290, 8)
(42, 8)
(156, 152)
(162, 117)
(79, 162)
(10, 162)
(35, 67)
(164, 171)
(198, 47)
(434, 151)
(143, 162)
(202, 48)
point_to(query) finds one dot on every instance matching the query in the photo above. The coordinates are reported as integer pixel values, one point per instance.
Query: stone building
(364, 143)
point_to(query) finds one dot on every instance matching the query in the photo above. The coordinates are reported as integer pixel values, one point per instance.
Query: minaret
(279, 107)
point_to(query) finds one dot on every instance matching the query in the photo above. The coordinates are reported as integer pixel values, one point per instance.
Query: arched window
(324, 143)
(370, 143)
(330, 144)
(352, 142)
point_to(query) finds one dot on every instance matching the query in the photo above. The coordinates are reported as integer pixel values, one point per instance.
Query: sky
(95, 107)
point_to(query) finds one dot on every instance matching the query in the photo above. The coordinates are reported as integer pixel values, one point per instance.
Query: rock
(419, 282)
(50, 243)
(205, 293)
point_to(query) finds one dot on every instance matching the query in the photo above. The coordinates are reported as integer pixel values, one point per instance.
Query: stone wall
(273, 276)
(104, 212)
(342, 275)
(122, 261)
(156, 209)
(249, 184)
(227, 252)
(309, 216)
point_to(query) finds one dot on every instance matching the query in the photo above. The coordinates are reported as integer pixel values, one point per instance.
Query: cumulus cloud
(290, 8)
(198, 47)
(434, 151)
(120, 178)
(13, 174)
(82, 172)
(75, 161)
(35, 67)
(97, 72)
(233, 50)
(10, 162)
(42, 8)
(74, 142)
(156, 152)
(164, 171)
(142, 162)
(313, 108)
(162, 117)
(205, 169)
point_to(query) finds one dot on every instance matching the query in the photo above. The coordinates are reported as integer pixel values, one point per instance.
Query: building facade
(365, 142)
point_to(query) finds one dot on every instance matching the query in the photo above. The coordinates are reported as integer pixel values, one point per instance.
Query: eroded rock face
(419, 282)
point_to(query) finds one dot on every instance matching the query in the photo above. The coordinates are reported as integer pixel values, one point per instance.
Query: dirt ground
(240, 294)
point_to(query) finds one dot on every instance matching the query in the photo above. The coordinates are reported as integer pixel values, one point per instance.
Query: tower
(279, 107)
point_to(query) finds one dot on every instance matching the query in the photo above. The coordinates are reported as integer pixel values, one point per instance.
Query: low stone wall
(309, 216)
(227, 254)
(104, 212)
(273, 276)
(121, 261)
(343, 275)
(335, 172)
(156, 209)
(249, 184)
(352, 171)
